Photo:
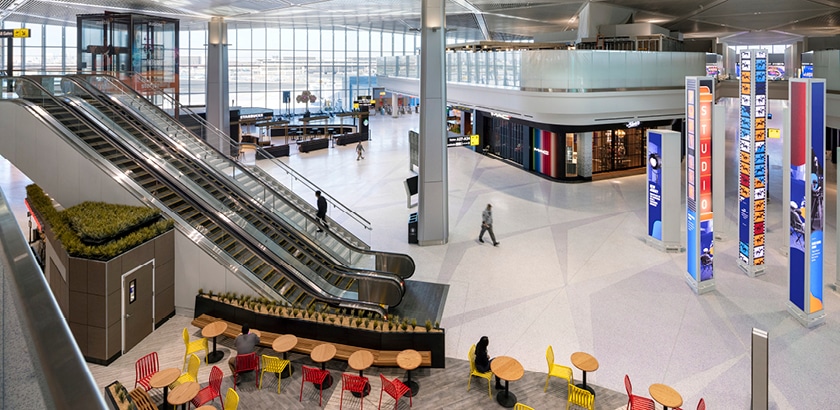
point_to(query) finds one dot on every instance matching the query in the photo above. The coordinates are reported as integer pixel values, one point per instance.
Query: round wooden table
(322, 354)
(206, 407)
(586, 363)
(409, 360)
(665, 395)
(282, 344)
(509, 370)
(361, 360)
(183, 393)
(212, 330)
(163, 378)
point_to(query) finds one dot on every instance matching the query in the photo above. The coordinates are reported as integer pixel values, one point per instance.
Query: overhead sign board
(459, 141)
(15, 33)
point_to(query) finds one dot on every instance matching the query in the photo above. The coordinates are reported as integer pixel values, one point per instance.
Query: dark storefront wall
(553, 150)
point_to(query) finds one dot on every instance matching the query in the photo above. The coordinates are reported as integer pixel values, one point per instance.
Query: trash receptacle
(412, 228)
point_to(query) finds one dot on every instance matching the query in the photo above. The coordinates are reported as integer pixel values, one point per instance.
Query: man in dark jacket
(322, 210)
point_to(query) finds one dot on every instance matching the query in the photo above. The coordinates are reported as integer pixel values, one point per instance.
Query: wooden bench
(381, 358)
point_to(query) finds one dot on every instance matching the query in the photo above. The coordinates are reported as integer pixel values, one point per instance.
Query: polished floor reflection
(573, 271)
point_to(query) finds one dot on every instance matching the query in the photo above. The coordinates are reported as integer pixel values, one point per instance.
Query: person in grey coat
(487, 225)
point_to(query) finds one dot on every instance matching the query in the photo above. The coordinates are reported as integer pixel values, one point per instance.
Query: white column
(218, 108)
(433, 218)
(719, 171)
(395, 100)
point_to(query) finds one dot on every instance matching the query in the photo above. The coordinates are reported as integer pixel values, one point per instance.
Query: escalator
(277, 278)
(232, 199)
(338, 243)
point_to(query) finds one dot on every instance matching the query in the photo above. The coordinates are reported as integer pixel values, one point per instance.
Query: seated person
(244, 343)
(482, 359)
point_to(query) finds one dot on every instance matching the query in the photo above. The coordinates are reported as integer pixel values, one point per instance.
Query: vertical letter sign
(700, 249)
(753, 162)
(807, 204)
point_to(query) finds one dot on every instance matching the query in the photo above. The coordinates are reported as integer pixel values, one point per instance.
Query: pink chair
(144, 369)
(395, 388)
(246, 363)
(213, 390)
(355, 384)
(701, 405)
(315, 376)
(641, 403)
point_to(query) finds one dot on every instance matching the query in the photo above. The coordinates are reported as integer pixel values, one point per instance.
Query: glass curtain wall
(51, 48)
(336, 64)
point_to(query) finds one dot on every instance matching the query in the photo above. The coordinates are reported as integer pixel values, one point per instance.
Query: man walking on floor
(487, 225)
(360, 151)
(322, 210)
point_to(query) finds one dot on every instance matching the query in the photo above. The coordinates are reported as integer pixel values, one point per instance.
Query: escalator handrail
(259, 179)
(216, 206)
(148, 85)
(362, 274)
(192, 233)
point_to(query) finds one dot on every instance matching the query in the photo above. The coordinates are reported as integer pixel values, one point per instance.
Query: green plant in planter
(413, 323)
(358, 321)
(428, 325)
(437, 325)
(200, 292)
(404, 325)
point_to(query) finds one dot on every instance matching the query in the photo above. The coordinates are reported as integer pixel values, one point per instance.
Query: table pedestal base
(327, 383)
(506, 398)
(287, 372)
(413, 387)
(364, 393)
(215, 356)
(586, 387)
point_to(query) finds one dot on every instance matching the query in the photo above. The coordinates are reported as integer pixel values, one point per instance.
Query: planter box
(370, 339)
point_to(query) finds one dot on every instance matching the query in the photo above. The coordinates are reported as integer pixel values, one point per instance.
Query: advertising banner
(807, 199)
(654, 185)
(752, 161)
(700, 247)
(543, 152)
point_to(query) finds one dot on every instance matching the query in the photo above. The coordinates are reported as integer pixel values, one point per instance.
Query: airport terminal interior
(573, 268)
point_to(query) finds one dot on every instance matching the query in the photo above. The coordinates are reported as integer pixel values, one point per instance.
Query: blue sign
(654, 185)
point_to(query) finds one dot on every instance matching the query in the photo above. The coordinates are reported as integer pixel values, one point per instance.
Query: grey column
(218, 109)
(433, 217)
(395, 99)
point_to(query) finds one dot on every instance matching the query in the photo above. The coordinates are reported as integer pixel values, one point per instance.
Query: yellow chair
(520, 406)
(580, 397)
(474, 372)
(273, 364)
(232, 400)
(192, 372)
(555, 370)
(194, 346)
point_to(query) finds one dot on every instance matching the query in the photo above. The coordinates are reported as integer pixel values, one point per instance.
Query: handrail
(64, 379)
(151, 86)
(36, 89)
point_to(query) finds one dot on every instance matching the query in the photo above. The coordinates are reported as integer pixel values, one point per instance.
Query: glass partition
(560, 70)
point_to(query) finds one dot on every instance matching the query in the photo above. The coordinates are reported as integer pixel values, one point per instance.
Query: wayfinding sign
(14, 33)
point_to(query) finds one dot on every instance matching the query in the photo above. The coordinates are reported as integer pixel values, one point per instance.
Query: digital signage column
(752, 182)
(807, 200)
(663, 193)
(700, 246)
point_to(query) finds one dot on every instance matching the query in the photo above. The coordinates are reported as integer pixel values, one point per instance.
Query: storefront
(565, 153)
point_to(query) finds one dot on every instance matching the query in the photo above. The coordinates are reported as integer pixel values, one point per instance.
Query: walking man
(360, 150)
(322, 210)
(487, 225)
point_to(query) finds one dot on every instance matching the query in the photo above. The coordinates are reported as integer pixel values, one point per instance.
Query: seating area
(438, 388)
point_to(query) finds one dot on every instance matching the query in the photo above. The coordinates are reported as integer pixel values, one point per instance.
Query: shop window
(615, 150)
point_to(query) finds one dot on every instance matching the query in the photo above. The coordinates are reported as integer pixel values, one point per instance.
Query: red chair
(144, 369)
(355, 384)
(701, 405)
(395, 388)
(315, 376)
(246, 363)
(629, 388)
(213, 390)
(641, 403)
